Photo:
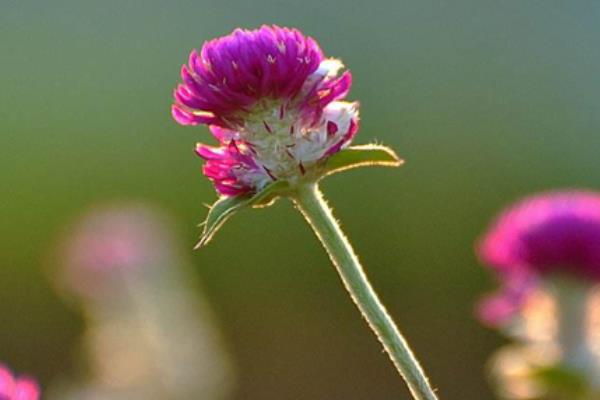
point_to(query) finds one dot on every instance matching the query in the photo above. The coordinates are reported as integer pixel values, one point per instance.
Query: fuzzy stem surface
(309, 200)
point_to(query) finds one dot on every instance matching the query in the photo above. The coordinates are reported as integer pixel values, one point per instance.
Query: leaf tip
(201, 243)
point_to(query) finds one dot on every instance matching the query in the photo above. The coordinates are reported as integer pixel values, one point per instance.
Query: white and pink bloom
(274, 103)
(17, 388)
(545, 251)
(272, 100)
(554, 234)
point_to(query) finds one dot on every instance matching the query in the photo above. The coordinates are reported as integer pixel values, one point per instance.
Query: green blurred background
(486, 100)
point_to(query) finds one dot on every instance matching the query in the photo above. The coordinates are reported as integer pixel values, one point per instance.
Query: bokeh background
(487, 101)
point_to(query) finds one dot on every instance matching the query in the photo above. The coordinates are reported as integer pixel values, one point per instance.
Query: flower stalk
(572, 298)
(309, 200)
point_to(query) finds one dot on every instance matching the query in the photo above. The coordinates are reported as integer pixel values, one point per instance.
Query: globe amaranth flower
(17, 388)
(109, 245)
(273, 102)
(554, 234)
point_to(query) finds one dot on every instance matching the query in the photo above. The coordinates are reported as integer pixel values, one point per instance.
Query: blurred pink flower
(548, 234)
(17, 388)
(109, 244)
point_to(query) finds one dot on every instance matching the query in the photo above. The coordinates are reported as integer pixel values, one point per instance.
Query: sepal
(369, 155)
(225, 207)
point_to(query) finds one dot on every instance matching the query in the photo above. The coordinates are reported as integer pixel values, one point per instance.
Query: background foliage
(486, 101)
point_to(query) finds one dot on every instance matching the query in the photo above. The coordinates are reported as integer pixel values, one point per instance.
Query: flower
(108, 245)
(552, 234)
(272, 100)
(17, 388)
(148, 333)
(549, 233)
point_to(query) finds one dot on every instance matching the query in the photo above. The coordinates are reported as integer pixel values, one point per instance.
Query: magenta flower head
(274, 103)
(272, 100)
(556, 234)
(17, 388)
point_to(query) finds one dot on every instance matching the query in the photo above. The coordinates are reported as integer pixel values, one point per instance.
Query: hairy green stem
(310, 202)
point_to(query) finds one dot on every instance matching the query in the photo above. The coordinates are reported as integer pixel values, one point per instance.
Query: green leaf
(561, 381)
(369, 155)
(225, 207)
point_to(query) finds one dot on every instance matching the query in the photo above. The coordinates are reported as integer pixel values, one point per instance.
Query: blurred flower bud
(149, 335)
(17, 388)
